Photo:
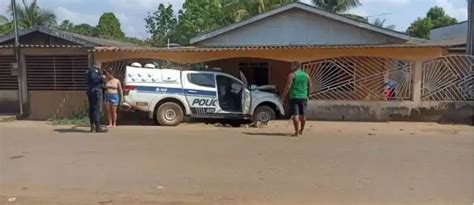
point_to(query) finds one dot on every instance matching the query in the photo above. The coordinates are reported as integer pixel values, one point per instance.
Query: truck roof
(150, 75)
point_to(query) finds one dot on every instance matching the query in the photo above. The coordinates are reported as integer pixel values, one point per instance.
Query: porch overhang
(301, 53)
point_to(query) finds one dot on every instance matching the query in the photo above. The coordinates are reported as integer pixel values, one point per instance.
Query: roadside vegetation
(79, 118)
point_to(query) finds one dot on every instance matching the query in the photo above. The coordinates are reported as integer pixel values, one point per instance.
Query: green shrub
(76, 119)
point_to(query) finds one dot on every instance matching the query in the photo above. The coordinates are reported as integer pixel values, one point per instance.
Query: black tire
(263, 114)
(169, 114)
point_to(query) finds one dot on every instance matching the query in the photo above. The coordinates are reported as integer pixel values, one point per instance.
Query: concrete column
(470, 27)
(417, 79)
(24, 86)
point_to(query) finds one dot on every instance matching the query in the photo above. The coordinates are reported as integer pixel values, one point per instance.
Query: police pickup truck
(169, 95)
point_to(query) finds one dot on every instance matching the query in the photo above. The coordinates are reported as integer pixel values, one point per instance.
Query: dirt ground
(333, 163)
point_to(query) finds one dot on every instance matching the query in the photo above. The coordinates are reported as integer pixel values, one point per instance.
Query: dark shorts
(298, 107)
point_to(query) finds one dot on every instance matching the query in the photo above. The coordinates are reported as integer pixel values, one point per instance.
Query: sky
(131, 13)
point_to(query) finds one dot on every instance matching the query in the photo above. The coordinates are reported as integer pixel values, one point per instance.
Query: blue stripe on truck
(200, 92)
(149, 89)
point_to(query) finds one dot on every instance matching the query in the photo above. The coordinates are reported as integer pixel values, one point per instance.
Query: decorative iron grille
(360, 78)
(449, 78)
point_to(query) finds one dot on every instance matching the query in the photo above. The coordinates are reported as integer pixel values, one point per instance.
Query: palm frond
(336, 6)
(378, 22)
(29, 14)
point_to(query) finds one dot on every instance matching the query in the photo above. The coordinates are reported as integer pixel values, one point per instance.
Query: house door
(255, 72)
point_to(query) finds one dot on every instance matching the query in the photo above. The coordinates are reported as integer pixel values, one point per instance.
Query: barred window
(7, 80)
(56, 72)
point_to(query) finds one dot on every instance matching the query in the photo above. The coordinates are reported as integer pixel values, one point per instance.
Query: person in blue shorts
(113, 97)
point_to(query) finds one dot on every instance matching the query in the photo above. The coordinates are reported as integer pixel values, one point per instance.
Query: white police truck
(169, 95)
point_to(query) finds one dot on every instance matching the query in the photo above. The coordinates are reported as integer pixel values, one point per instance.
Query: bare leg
(109, 114)
(303, 123)
(296, 124)
(114, 115)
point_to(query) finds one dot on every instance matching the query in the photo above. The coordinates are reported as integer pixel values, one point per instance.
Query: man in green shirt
(299, 88)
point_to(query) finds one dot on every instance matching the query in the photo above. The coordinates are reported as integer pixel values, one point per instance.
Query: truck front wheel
(169, 114)
(263, 114)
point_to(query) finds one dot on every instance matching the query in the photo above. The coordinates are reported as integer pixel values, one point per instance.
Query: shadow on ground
(132, 118)
(267, 134)
(74, 129)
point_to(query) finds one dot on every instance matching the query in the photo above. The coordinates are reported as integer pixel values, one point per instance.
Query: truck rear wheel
(169, 114)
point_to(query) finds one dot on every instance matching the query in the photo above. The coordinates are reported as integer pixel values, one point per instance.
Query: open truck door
(246, 96)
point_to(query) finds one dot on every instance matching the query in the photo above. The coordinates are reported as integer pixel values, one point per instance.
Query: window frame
(202, 85)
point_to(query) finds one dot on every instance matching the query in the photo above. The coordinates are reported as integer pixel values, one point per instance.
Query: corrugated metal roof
(250, 48)
(103, 41)
(448, 42)
(42, 46)
(82, 40)
(229, 48)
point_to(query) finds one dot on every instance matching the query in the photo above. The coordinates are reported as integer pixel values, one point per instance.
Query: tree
(161, 24)
(381, 24)
(238, 10)
(420, 28)
(30, 15)
(109, 26)
(439, 17)
(201, 16)
(435, 18)
(336, 6)
(66, 25)
(85, 29)
(6, 26)
(196, 17)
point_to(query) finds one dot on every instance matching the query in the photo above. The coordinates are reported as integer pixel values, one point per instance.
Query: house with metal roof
(350, 63)
(52, 65)
(299, 24)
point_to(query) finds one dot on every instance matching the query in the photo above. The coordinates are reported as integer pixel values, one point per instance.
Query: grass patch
(77, 119)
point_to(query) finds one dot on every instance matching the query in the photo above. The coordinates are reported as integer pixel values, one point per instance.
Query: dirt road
(334, 163)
